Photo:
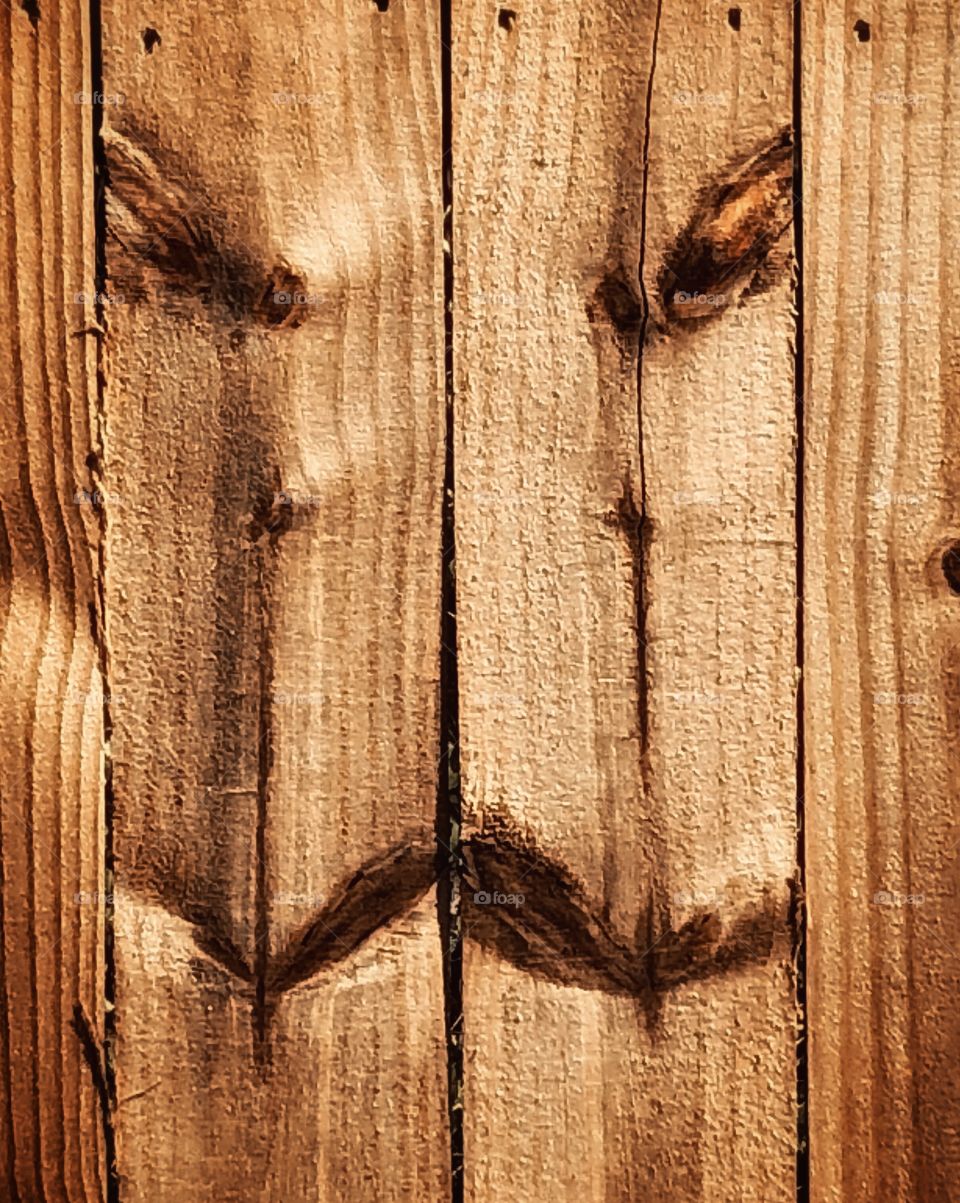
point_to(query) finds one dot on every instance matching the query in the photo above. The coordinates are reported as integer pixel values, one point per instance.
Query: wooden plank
(275, 405)
(51, 815)
(881, 169)
(627, 645)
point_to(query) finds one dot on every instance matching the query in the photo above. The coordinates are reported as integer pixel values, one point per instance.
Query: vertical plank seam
(108, 1096)
(449, 810)
(798, 908)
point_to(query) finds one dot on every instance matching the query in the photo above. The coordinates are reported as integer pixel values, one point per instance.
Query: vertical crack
(104, 1087)
(799, 908)
(264, 770)
(449, 812)
(641, 536)
(105, 1081)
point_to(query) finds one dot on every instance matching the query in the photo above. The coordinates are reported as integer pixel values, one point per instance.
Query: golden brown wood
(274, 457)
(51, 820)
(629, 1024)
(882, 168)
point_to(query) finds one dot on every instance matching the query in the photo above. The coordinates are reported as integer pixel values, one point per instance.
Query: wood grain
(881, 169)
(274, 452)
(626, 613)
(51, 817)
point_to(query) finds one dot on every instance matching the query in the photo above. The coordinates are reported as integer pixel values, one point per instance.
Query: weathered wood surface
(274, 458)
(627, 634)
(267, 465)
(882, 170)
(51, 817)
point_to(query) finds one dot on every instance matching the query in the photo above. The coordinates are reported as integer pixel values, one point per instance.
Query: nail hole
(951, 567)
(733, 16)
(382, 5)
(862, 30)
(507, 18)
(150, 39)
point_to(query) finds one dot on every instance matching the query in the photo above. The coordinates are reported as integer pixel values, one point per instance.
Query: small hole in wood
(950, 563)
(733, 16)
(382, 5)
(862, 30)
(150, 39)
(507, 18)
(32, 9)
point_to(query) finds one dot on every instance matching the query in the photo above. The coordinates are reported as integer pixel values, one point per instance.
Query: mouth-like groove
(379, 892)
(555, 933)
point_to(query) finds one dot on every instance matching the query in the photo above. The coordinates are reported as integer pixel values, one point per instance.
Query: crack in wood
(98, 1064)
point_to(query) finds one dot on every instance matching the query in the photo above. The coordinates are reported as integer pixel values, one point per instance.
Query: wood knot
(285, 302)
(950, 563)
(616, 302)
(272, 517)
(726, 252)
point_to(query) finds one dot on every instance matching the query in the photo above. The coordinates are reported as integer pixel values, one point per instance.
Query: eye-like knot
(285, 301)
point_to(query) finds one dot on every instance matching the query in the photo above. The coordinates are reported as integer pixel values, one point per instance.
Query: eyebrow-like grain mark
(169, 237)
(729, 249)
(96, 1060)
(739, 218)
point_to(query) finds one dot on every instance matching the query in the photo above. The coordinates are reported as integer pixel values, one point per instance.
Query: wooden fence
(479, 614)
